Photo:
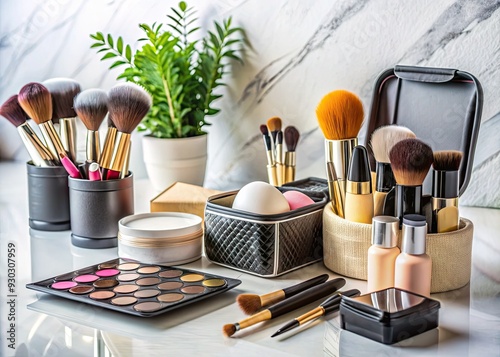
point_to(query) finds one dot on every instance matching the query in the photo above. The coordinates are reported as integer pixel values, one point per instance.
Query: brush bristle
(228, 330)
(292, 136)
(385, 137)
(249, 303)
(447, 160)
(128, 104)
(13, 112)
(279, 137)
(263, 129)
(91, 105)
(410, 161)
(340, 115)
(36, 101)
(274, 124)
(63, 92)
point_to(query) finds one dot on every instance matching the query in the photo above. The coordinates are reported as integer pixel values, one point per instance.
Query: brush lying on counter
(288, 305)
(251, 303)
(327, 307)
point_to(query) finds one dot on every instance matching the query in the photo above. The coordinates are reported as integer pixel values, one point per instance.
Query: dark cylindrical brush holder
(96, 208)
(48, 198)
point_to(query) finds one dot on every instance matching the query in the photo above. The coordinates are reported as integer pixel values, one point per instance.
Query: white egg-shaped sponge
(261, 198)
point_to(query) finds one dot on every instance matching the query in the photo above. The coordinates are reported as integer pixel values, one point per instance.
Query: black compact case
(442, 106)
(389, 315)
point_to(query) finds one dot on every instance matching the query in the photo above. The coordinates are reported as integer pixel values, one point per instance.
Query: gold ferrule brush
(120, 151)
(272, 175)
(280, 168)
(93, 147)
(124, 171)
(53, 141)
(67, 133)
(290, 161)
(107, 150)
(254, 319)
(445, 191)
(335, 191)
(39, 154)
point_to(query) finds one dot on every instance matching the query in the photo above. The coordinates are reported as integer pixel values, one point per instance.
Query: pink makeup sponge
(297, 199)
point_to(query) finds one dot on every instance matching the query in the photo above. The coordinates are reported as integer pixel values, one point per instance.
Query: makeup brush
(107, 149)
(251, 303)
(13, 112)
(285, 306)
(280, 168)
(91, 105)
(410, 161)
(274, 126)
(128, 104)
(63, 92)
(327, 307)
(292, 136)
(271, 166)
(445, 191)
(381, 142)
(340, 116)
(36, 101)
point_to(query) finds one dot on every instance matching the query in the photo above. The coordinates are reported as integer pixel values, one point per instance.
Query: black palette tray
(173, 287)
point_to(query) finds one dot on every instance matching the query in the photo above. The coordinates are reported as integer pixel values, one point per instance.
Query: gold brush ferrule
(120, 151)
(359, 188)
(39, 154)
(311, 315)
(53, 141)
(124, 171)
(272, 175)
(280, 174)
(264, 315)
(107, 150)
(93, 149)
(335, 190)
(272, 297)
(270, 157)
(290, 161)
(67, 133)
(279, 153)
(339, 152)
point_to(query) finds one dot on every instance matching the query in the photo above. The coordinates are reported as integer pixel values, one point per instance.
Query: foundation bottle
(359, 197)
(383, 253)
(413, 265)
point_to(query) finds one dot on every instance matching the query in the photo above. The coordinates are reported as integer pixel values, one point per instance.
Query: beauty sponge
(297, 199)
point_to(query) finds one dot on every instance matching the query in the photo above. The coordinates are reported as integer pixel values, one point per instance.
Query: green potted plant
(181, 74)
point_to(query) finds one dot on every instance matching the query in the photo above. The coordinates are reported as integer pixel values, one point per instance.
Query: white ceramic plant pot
(171, 160)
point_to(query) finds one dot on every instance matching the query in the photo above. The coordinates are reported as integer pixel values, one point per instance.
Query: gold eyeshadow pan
(135, 288)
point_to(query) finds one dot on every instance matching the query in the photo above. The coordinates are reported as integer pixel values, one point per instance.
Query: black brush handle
(306, 297)
(295, 289)
(408, 201)
(332, 304)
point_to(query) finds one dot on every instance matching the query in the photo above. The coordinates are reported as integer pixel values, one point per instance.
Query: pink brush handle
(70, 167)
(94, 172)
(113, 175)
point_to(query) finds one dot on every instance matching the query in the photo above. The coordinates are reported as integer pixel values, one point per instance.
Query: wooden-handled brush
(340, 116)
(292, 136)
(251, 303)
(410, 161)
(285, 306)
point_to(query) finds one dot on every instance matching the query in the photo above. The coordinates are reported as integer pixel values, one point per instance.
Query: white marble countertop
(51, 326)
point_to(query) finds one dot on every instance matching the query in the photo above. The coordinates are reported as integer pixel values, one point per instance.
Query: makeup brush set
(280, 167)
(422, 134)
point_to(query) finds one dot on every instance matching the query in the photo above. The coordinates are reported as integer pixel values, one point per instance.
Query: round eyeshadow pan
(124, 300)
(105, 283)
(149, 270)
(170, 273)
(128, 266)
(87, 278)
(68, 276)
(63, 285)
(147, 281)
(214, 283)
(170, 285)
(193, 289)
(191, 278)
(146, 293)
(128, 277)
(148, 306)
(171, 297)
(125, 289)
(101, 295)
(107, 272)
(81, 289)
(107, 265)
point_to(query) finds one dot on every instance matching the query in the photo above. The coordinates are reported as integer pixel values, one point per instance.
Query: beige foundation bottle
(413, 265)
(383, 253)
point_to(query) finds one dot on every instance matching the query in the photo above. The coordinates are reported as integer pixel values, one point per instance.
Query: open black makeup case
(266, 245)
(442, 106)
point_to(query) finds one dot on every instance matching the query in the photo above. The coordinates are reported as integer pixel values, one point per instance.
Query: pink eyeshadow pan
(63, 285)
(87, 278)
(107, 272)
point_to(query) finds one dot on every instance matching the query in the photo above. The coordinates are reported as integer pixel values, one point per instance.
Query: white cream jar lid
(160, 224)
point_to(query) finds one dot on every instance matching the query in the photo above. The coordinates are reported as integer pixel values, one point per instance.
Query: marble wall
(300, 50)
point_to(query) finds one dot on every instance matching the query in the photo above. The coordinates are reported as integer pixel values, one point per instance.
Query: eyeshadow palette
(135, 288)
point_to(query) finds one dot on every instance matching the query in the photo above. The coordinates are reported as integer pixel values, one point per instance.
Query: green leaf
(116, 64)
(110, 40)
(108, 55)
(220, 31)
(97, 44)
(119, 45)
(183, 5)
(128, 53)
(98, 36)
